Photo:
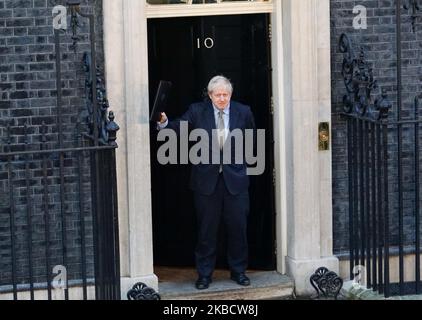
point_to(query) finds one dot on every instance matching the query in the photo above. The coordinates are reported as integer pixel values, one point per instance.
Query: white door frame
(226, 8)
(301, 90)
(223, 8)
(126, 56)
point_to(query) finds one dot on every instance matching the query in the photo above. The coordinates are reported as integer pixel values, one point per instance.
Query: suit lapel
(234, 116)
(209, 117)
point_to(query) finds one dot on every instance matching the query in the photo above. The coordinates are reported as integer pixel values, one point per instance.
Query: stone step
(264, 286)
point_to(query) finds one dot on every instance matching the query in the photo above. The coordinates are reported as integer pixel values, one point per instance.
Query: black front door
(189, 52)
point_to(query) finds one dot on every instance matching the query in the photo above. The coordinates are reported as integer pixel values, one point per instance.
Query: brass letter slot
(324, 136)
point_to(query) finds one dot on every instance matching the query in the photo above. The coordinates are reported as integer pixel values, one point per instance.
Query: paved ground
(353, 292)
(264, 285)
(179, 284)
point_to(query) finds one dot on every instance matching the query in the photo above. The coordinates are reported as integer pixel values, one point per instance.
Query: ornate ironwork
(107, 128)
(382, 106)
(376, 189)
(414, 8)
(74, 6)
(326, 283)
(359, 81)
(94, 165)
(112, 129)
(141, 291)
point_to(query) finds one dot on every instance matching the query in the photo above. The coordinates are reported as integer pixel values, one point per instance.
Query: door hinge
(272, 106)
(270, 32)
(275, 248)
(274, 176)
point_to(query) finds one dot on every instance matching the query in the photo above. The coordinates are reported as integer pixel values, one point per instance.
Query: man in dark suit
(220, 189)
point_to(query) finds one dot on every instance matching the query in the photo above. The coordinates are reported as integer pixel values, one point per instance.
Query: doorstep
(264, 286)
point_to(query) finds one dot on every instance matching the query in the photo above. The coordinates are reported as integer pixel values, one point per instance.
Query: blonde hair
(220, 81)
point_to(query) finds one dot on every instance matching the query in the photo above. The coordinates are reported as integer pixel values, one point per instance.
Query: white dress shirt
(226, 117)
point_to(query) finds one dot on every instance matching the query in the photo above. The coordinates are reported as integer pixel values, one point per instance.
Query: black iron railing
(384, 173)
(59, 197)
(376, 222)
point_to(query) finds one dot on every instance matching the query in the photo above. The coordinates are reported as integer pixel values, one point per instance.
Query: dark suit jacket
(204, 177)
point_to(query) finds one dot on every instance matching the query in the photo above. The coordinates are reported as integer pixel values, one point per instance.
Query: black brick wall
(379, 43)
(28, 96)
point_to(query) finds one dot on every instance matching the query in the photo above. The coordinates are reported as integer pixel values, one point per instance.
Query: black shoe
(240, 279)
(203, 283)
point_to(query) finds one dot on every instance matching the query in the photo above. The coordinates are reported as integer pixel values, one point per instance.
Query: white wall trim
(280, 131)
(224, 8)
(126, 63)
(127, 79)
(115, 75)
(138, 141)
(307, 102)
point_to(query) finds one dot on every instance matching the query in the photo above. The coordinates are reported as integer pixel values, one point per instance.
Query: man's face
(220, 97)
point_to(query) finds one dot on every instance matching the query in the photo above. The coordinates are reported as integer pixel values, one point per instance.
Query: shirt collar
(225, 111)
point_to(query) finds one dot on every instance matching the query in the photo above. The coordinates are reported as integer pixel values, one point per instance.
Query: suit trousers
(234, 210)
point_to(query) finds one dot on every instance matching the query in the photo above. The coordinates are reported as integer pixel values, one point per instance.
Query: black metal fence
(377, 223)
(58, 208)
(384, 178)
